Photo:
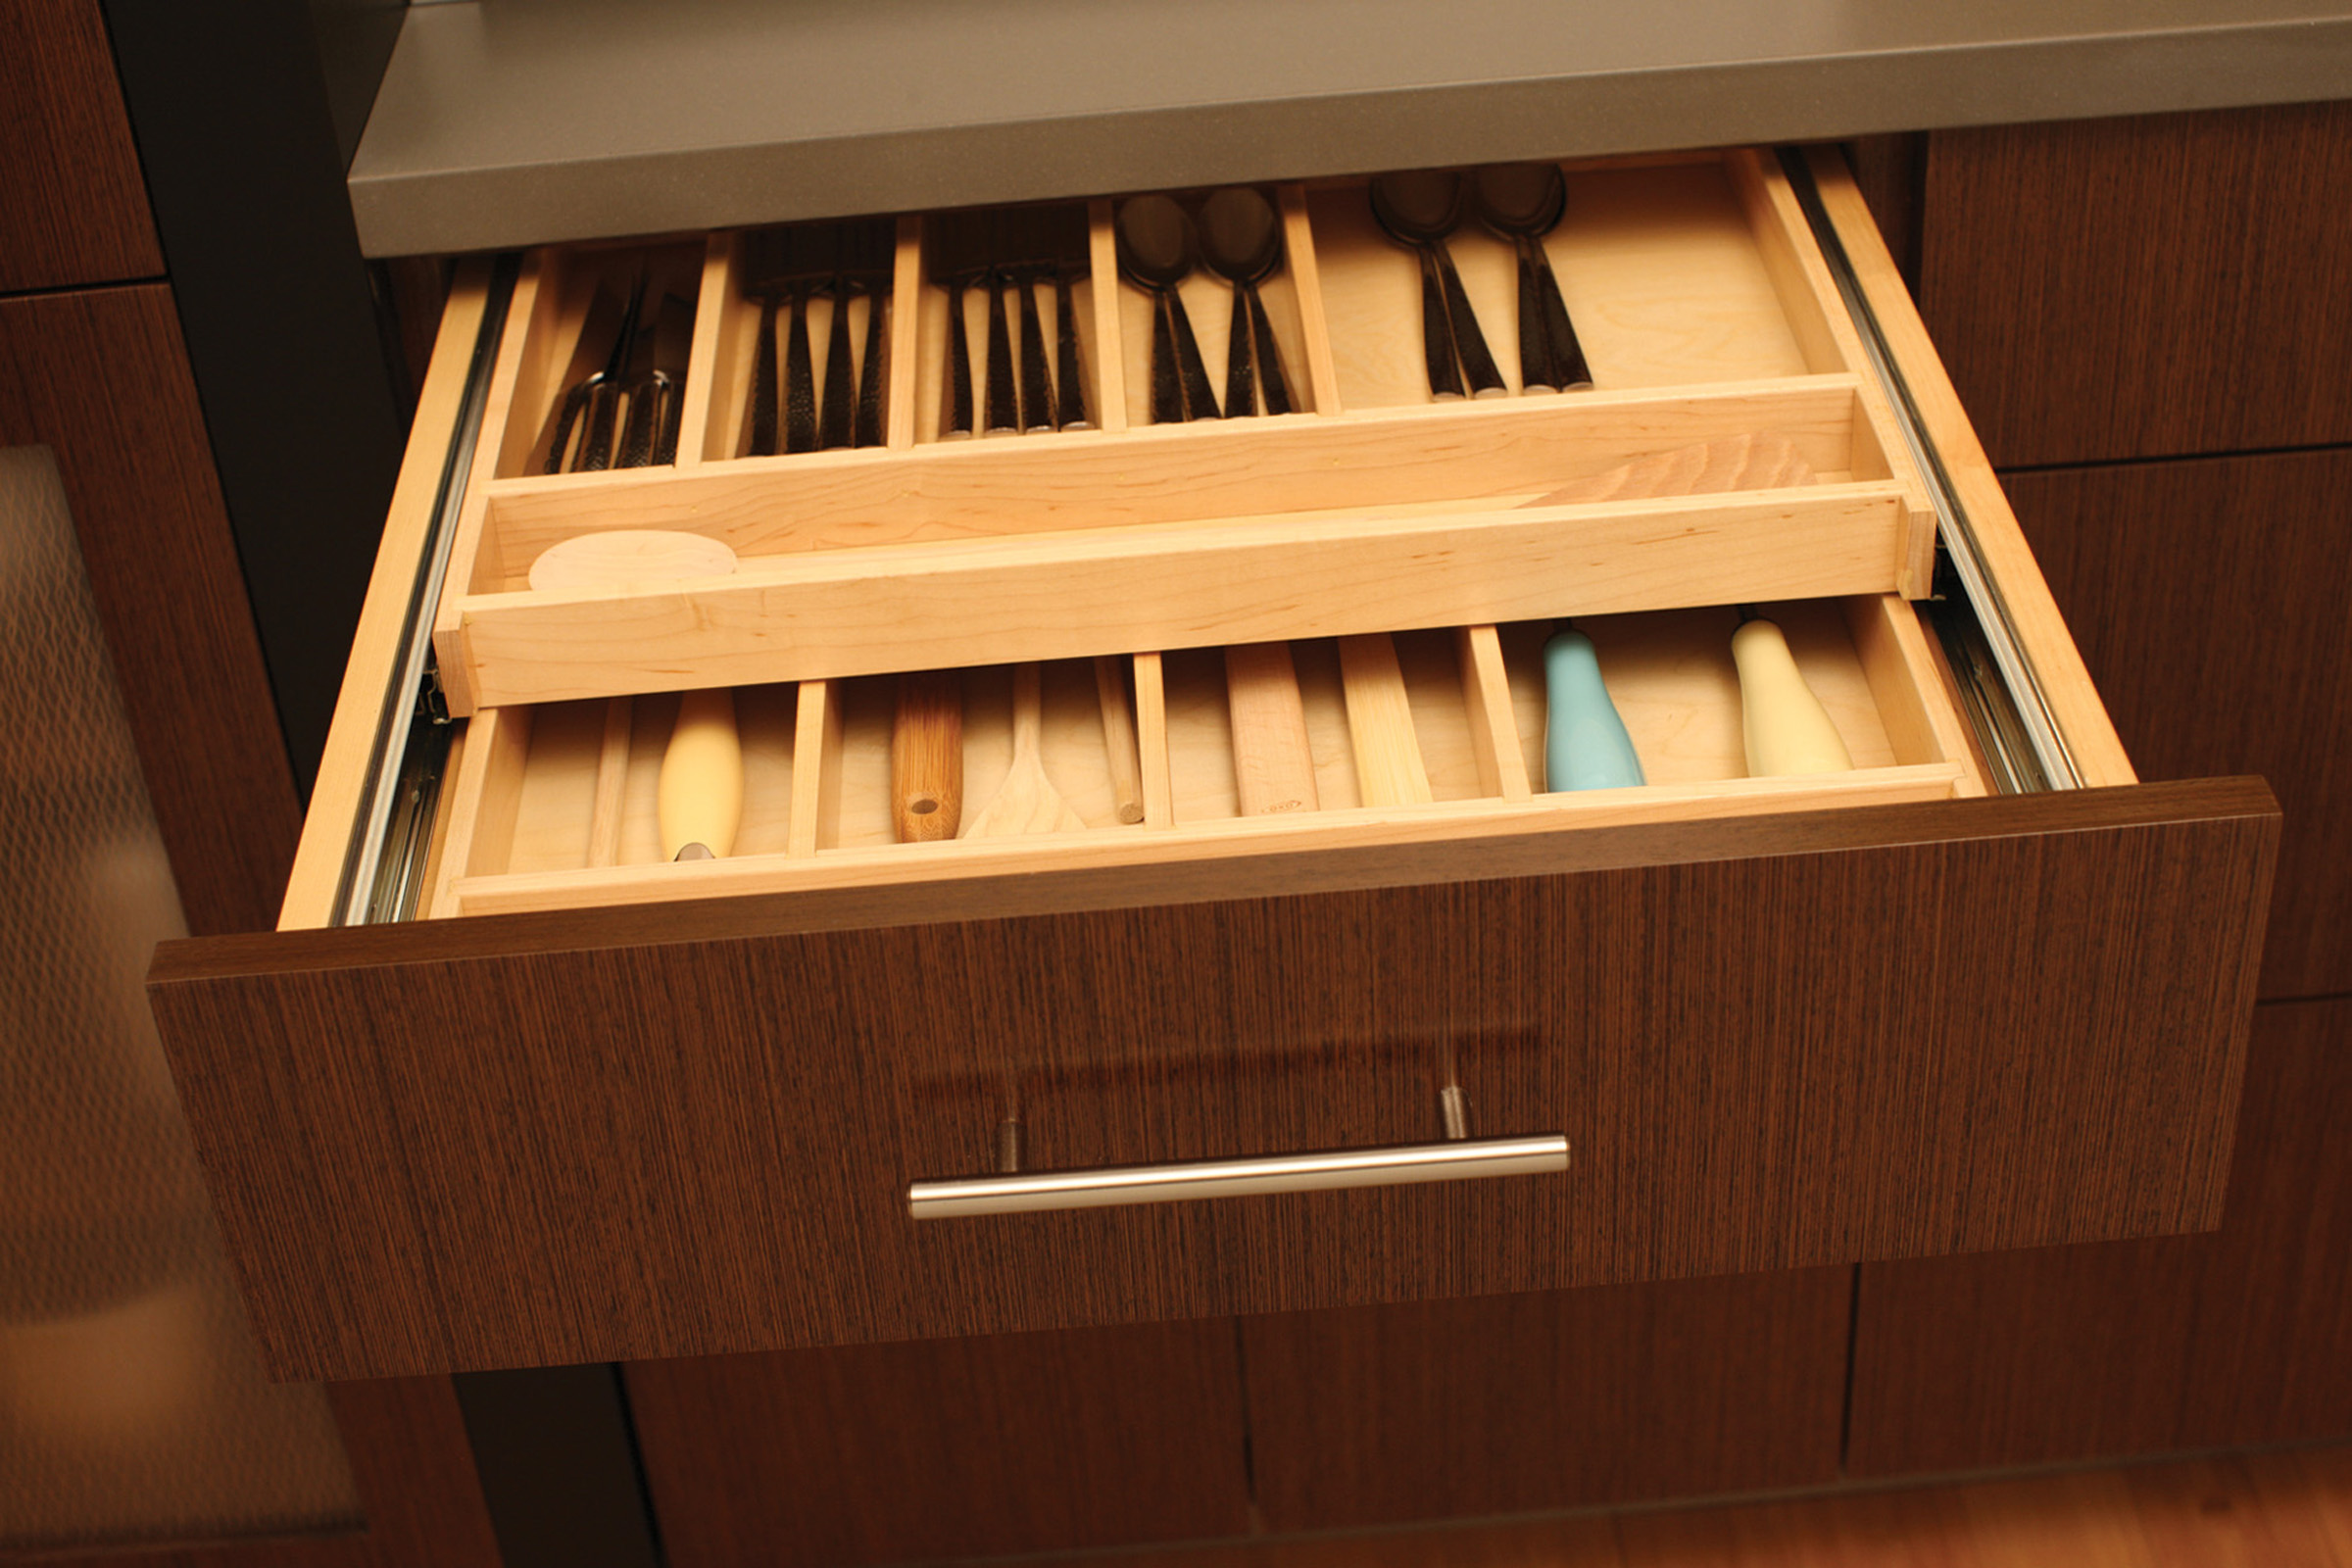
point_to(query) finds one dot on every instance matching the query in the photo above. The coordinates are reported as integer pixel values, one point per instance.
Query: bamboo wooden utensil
(612, 778)
(1027, 802)
(1120, 738)
(1273, 760)
(926, 757)
(1389, 771)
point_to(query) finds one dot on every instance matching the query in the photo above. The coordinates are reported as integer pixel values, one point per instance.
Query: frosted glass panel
(133, 1405)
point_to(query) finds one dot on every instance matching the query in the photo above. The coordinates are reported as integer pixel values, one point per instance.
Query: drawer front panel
(1875, 1033)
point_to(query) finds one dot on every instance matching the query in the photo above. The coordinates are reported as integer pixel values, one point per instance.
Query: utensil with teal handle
(1586, 746)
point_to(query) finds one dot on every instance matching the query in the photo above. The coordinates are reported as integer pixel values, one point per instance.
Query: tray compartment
(1422, 711)
(862, 611)
(1663, 273)
(568, 310)
(731, 300)
(1003, 235)
(1670, 676)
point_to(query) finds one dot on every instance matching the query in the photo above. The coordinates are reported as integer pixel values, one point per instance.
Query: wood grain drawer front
(603, 1105)
(1870, 1034)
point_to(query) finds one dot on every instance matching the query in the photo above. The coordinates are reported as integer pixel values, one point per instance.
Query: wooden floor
(2282, 1509)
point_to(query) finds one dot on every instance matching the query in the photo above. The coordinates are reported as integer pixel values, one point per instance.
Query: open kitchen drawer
(1984, 990)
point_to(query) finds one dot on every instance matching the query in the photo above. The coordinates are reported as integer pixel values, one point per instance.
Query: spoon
(1523, 202)
(1027, 802)
(1156, 252)
(1418, 210)
(1241, 238)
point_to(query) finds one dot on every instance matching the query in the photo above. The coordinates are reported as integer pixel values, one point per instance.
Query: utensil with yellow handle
(701, 791)
(1787, 729)
(701, 796)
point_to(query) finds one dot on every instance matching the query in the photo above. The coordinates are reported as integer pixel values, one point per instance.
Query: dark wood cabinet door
(946, 1448)
(2208, 600)
(1556, 1400)
(689, 1129)
(2190, 1342)
(72, 207)
(2135, 288)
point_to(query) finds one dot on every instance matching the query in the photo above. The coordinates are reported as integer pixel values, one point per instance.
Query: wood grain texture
(1273, 756)
(373, 662)
(74, 208)
(2243, 1336)
(940, 605)
(102, 379)
(1892, 172)
(2207, 598)
(414, 1468)
(2279, 1510)
(1557, 1400)
(946, 1448)
(2000, 545)
(672, 1131)
(2132, 288)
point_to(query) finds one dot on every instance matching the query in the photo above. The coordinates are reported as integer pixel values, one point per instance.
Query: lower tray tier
(1410, 737)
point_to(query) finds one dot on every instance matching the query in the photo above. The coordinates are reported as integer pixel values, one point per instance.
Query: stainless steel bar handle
(1112, 1186)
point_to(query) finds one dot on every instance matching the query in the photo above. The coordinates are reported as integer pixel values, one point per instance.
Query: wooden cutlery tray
(1706, 312)
(1705, 309)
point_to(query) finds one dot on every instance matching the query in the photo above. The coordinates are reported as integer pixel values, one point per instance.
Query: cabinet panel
(1558, 1400)
(1870, 1033)
(73, 208)
(102, 379)
(2208, 600)
(2240, 1337)
(946, 1448)
(2127, 288)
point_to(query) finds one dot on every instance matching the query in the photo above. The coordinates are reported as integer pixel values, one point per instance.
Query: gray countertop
(505, 122)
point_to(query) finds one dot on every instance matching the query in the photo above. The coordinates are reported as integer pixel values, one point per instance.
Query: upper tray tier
(1696, 286)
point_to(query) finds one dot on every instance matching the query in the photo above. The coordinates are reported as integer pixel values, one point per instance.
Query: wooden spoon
(1028, 801)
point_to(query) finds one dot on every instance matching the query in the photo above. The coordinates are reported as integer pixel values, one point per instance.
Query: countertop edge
(487, 205)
